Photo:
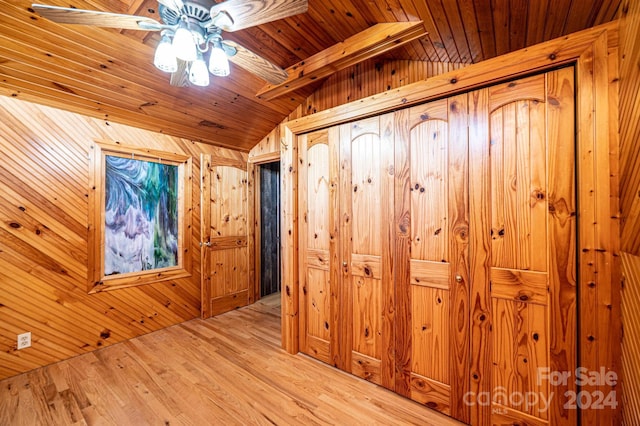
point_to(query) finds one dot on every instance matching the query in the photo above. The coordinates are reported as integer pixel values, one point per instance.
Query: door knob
(458, 278)
(344, 264)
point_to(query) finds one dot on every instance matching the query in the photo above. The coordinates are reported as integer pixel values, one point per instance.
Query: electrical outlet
(24, 340)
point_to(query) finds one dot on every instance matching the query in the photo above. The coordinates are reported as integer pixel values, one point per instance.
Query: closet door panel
(316, 325)
(519, 300)
(438, 264)
(526, 180)
(366, 174)
(366, 240)
(429, 146)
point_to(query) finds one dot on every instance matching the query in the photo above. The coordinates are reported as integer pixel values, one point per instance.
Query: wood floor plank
(227, 370)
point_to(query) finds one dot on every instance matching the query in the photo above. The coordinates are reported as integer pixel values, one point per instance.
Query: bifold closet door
(318, 233)
(366, 237)
(532, 274)
(431, 256)
(346, 236)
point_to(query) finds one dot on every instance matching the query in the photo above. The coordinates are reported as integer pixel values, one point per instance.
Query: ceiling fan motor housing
(198, 11)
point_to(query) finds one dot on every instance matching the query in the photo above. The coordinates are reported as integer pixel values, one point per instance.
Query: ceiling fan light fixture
(218, 62)
(184, 45)
(188, 29)
(198, 74)
(165, 58)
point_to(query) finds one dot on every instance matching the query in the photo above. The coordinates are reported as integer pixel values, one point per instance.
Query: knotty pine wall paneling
(369, 78)
(631, 341)
(629, 111)
(268, 149)
(44, 175)
(629, 54)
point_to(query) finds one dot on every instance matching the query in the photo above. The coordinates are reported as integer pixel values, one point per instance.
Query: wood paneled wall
(630, 125)
(44, 177)
(369, 78)
(630, 206)
(631, 341)
(268, 149)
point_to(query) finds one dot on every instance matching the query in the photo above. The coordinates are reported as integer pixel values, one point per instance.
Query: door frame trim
(593, 52)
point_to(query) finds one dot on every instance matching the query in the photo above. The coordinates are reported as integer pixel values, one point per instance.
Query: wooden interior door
(225, 272)
(533, 247)
(317, 206)
(366, 294)
(432, 234)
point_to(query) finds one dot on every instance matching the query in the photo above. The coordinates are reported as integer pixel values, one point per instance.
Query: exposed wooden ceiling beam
(371, 42)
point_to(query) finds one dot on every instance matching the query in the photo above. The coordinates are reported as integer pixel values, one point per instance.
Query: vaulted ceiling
(109, 73)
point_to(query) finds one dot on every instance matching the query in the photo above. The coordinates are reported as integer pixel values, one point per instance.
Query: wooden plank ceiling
(108, 73)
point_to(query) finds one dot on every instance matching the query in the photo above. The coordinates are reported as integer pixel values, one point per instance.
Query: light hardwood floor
(222, 371)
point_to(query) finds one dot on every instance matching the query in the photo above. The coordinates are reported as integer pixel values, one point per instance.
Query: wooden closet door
(346, 234)
(532, 253)
(318, 237)
(366, 294)
(432, 316)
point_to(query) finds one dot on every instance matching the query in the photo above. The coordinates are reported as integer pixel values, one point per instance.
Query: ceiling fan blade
(249, 13)
(180, 77)
(66, 15)
(176, 5)
(256, 64)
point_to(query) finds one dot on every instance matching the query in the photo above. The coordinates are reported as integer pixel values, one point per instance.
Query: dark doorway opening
(269, 228)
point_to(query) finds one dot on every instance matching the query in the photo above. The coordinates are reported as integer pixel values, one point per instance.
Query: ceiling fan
(189, 29)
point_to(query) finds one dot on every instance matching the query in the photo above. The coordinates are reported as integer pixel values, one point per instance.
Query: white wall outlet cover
(24, 340)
